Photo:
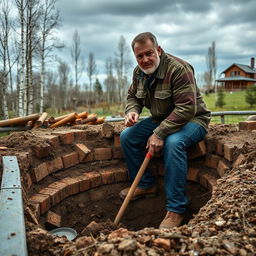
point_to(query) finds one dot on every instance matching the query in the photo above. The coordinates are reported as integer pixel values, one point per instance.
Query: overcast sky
(185, 28)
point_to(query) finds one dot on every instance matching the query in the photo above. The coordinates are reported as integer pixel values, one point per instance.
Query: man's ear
(159, 50)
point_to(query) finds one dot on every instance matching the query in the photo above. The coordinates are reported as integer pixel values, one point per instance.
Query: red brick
(82, 151)
(247, 125)
(43, 200)
(203, 180)
(73, 185)
(84, 183)
(70, 159)
(61, 187)
(53, 220)
(102, 153)
(24, 160)
(211, 181)
(117, 141)
(210, 144)
(42, 150)
(95, 179)
(54, 165)
(66, 137)
(197, 150)
(88, 158)
(212, 161)
(79, 135)
(117, 153)
(193, 174)
(107, 176)
(239, 160)
(53, 140)
(230, 151)
(222, 168)
(39, 172)
(54, 193)
(220, 148)
(121, 174)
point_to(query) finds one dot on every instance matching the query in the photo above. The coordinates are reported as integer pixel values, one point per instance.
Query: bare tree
(76, 57)
(211, 62)
(122, 64)
(49, 19)
(91, 71)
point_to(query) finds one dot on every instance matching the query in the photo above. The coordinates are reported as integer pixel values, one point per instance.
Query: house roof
(245, 68)
(236, 78)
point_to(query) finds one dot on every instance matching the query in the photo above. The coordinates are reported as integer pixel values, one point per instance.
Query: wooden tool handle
(132, 188)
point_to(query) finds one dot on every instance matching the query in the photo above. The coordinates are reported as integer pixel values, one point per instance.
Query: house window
(232, 73)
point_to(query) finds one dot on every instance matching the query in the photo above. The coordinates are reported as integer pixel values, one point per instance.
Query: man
(166, 86)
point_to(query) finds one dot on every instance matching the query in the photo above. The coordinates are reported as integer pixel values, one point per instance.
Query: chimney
(252, 63)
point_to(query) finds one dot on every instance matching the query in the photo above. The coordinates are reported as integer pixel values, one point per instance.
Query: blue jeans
(133, 142)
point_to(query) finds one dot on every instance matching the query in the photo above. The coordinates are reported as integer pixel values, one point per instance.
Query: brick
(210, 144)
(88, 158)
(222, 168)
(247, 125)
(27, 180)
(107, 130)
(240, 159)
(84, 183)
(70, 159)
(211, 181)
(82, 151)
(220, 148)
(107, 176)
(61, 187)
(39, 172)
(42, 150)
(53, 220)
(43, 200)
(73, 185)
(95, 179)
(212, 161)
(53, 140)
(79, 135)
(117, 143)
(54, 193)
(121, 174)
(230, 151)
(102, 153)
(117, 153)
(203, 180)
(197, 150)
(193, 174)
(54, 165)
(66, 137)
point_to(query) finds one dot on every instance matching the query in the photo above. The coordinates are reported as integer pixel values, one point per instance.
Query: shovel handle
(132, 188)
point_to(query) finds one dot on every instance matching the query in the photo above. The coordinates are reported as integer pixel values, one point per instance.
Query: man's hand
(131, 119)
(154, 144)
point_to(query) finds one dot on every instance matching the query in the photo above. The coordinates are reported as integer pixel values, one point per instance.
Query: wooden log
(53, 119)
(90, 118)
(41, 120)
(100, 120)
(65, 120)
(31, 123)
(18, 120)
(83, 115)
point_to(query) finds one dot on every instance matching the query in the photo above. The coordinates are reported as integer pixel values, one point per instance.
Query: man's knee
(124, 136)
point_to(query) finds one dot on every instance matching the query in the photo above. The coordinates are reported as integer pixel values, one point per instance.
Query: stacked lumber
(36, 120)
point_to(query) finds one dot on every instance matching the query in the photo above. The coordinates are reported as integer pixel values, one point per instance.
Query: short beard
(150, 71)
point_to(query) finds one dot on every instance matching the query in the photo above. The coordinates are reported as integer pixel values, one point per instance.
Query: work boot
(138, 193)
(171, 220)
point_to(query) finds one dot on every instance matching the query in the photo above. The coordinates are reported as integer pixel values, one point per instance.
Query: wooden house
(238, 77)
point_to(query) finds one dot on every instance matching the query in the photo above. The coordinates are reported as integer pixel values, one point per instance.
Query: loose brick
(222, 168)
(117, 153)
(39, 172)
(66, 137)
(70, 159)
(121, 174)
(54, 194)
(43, 200)
(54, 165)
(197, 150)
(95, 179)
(107, 176)
(61, 187)
(53, 140)
(88, 158)
(239, 160)
(117, 143)
(53, 220)
(212, 161)
(211, 181)
(102, 153)
(42, 150)
(220, 148)
(247, 125)
(82, 151)
(107, 130)
(84, 183)
(73, 185)
(193, 174)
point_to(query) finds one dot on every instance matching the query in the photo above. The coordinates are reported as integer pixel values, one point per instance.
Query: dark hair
(143, 37)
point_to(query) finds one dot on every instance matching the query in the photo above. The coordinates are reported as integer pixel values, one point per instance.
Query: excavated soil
(225, 225)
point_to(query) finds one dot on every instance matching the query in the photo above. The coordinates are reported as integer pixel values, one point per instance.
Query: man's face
(147, 56)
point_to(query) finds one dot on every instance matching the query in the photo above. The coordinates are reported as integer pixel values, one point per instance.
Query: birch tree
(211, 62)
(91, 71)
